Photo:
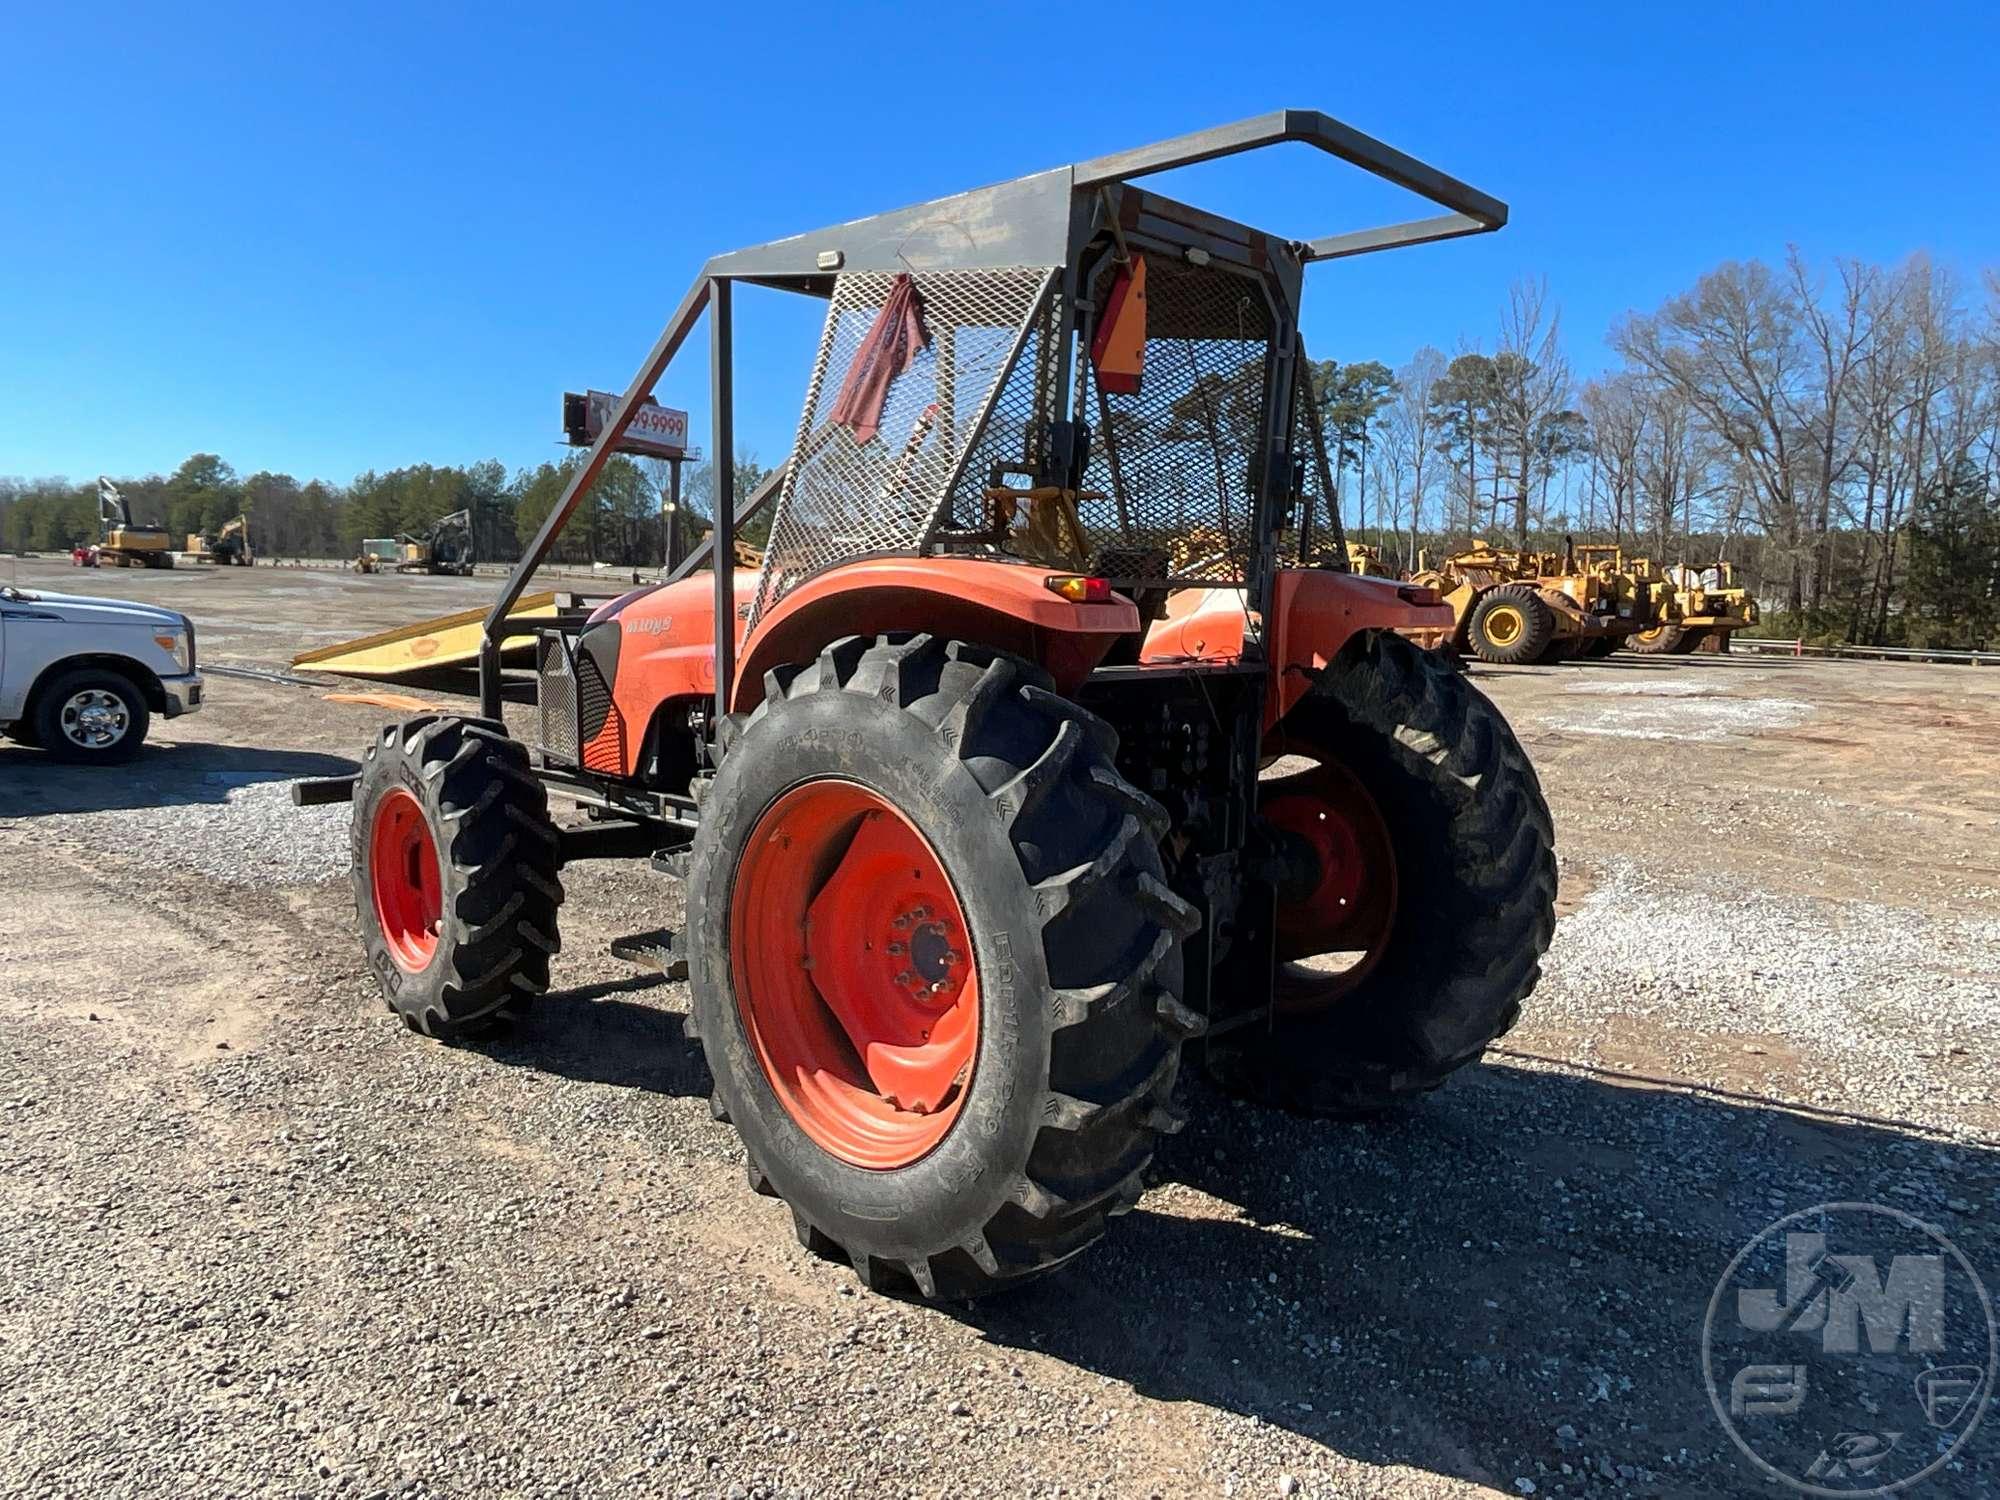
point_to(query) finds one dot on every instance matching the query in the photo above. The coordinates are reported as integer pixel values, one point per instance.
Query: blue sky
(322, 239)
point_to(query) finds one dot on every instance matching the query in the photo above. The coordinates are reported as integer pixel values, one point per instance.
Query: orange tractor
(988, 792)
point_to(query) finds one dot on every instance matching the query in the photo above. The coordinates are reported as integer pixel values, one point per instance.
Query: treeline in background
(624, 520)
(1832, 431)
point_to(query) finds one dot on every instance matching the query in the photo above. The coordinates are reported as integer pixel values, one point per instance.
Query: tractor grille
(597, 713)
(844, 498)
(556, 696)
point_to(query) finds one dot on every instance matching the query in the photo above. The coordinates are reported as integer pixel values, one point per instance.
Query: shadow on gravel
(32, 785)
(1512, 1278)
(589, 1035)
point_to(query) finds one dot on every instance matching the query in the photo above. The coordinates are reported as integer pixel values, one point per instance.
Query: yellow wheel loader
(1516, 608)
(1700, 609)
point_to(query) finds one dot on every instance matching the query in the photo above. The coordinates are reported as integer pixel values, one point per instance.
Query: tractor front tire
(456, 873)
(1470, 888)
(936, 968)
(1511, 626)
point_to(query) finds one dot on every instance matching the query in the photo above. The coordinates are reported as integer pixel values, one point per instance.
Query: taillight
(1078, 589)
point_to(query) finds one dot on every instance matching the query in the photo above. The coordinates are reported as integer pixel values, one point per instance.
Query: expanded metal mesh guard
(556, 697)
(1313, 536)
(846, 497)
(1173, 470)
(1169, 492)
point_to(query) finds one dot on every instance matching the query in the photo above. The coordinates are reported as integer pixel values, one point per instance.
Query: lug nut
(906, 977)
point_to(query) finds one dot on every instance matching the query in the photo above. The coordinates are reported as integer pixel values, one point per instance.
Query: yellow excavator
(229, 547)
(444, 547)
(126, 545)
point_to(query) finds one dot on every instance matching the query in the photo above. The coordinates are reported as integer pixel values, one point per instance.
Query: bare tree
(1836, 336)
(1532, 384)
(1733, 349)
(1411, 426)
(1617, 408)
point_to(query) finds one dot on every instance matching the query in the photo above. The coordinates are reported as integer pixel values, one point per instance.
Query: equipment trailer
(988, 792)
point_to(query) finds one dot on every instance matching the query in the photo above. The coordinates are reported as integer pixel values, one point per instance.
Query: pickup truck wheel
(91, 714)
(455, 871)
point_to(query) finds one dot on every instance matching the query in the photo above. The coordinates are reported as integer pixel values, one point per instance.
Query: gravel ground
(260, 1241)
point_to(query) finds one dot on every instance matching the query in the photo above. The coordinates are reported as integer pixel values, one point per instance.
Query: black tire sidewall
(971, 1172)
(48, 730)
(412, 994)
(1537, 627)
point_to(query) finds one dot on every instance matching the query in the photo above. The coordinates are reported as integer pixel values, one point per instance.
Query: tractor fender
(1007, 606)
(1315, 613)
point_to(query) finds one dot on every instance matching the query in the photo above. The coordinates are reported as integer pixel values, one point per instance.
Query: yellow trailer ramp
(447, 641)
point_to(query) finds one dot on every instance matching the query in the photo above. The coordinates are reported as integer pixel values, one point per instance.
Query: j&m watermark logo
(1850, 1350)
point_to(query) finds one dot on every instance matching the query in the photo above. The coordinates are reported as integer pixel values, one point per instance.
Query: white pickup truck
(82, 676)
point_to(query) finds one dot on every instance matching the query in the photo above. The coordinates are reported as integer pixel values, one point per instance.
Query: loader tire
(1511, 626)
(1690, 642)
(960, 1117)
(1661, 640)
(456, 874)
(1602, 647)
(1471, 883)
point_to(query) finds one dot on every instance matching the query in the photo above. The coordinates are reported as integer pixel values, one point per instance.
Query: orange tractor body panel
(667, 636)
(1006, 606)
(667, 648)
(1315, 613)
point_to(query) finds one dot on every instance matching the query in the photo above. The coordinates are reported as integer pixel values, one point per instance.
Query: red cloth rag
(892, 342)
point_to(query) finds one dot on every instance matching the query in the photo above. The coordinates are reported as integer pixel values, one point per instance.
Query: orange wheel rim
(1351, 906)
(403, 874)
(854, 974)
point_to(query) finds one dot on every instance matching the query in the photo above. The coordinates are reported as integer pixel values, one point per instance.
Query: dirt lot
(258, 1240)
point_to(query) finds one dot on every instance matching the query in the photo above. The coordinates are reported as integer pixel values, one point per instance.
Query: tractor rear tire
(456, 874)
(1511, 626)
(1474, 882)
(1046, 871)
(1661, 640)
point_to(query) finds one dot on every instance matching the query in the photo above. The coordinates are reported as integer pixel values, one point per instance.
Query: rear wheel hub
(853, 974)
(1341, 903)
